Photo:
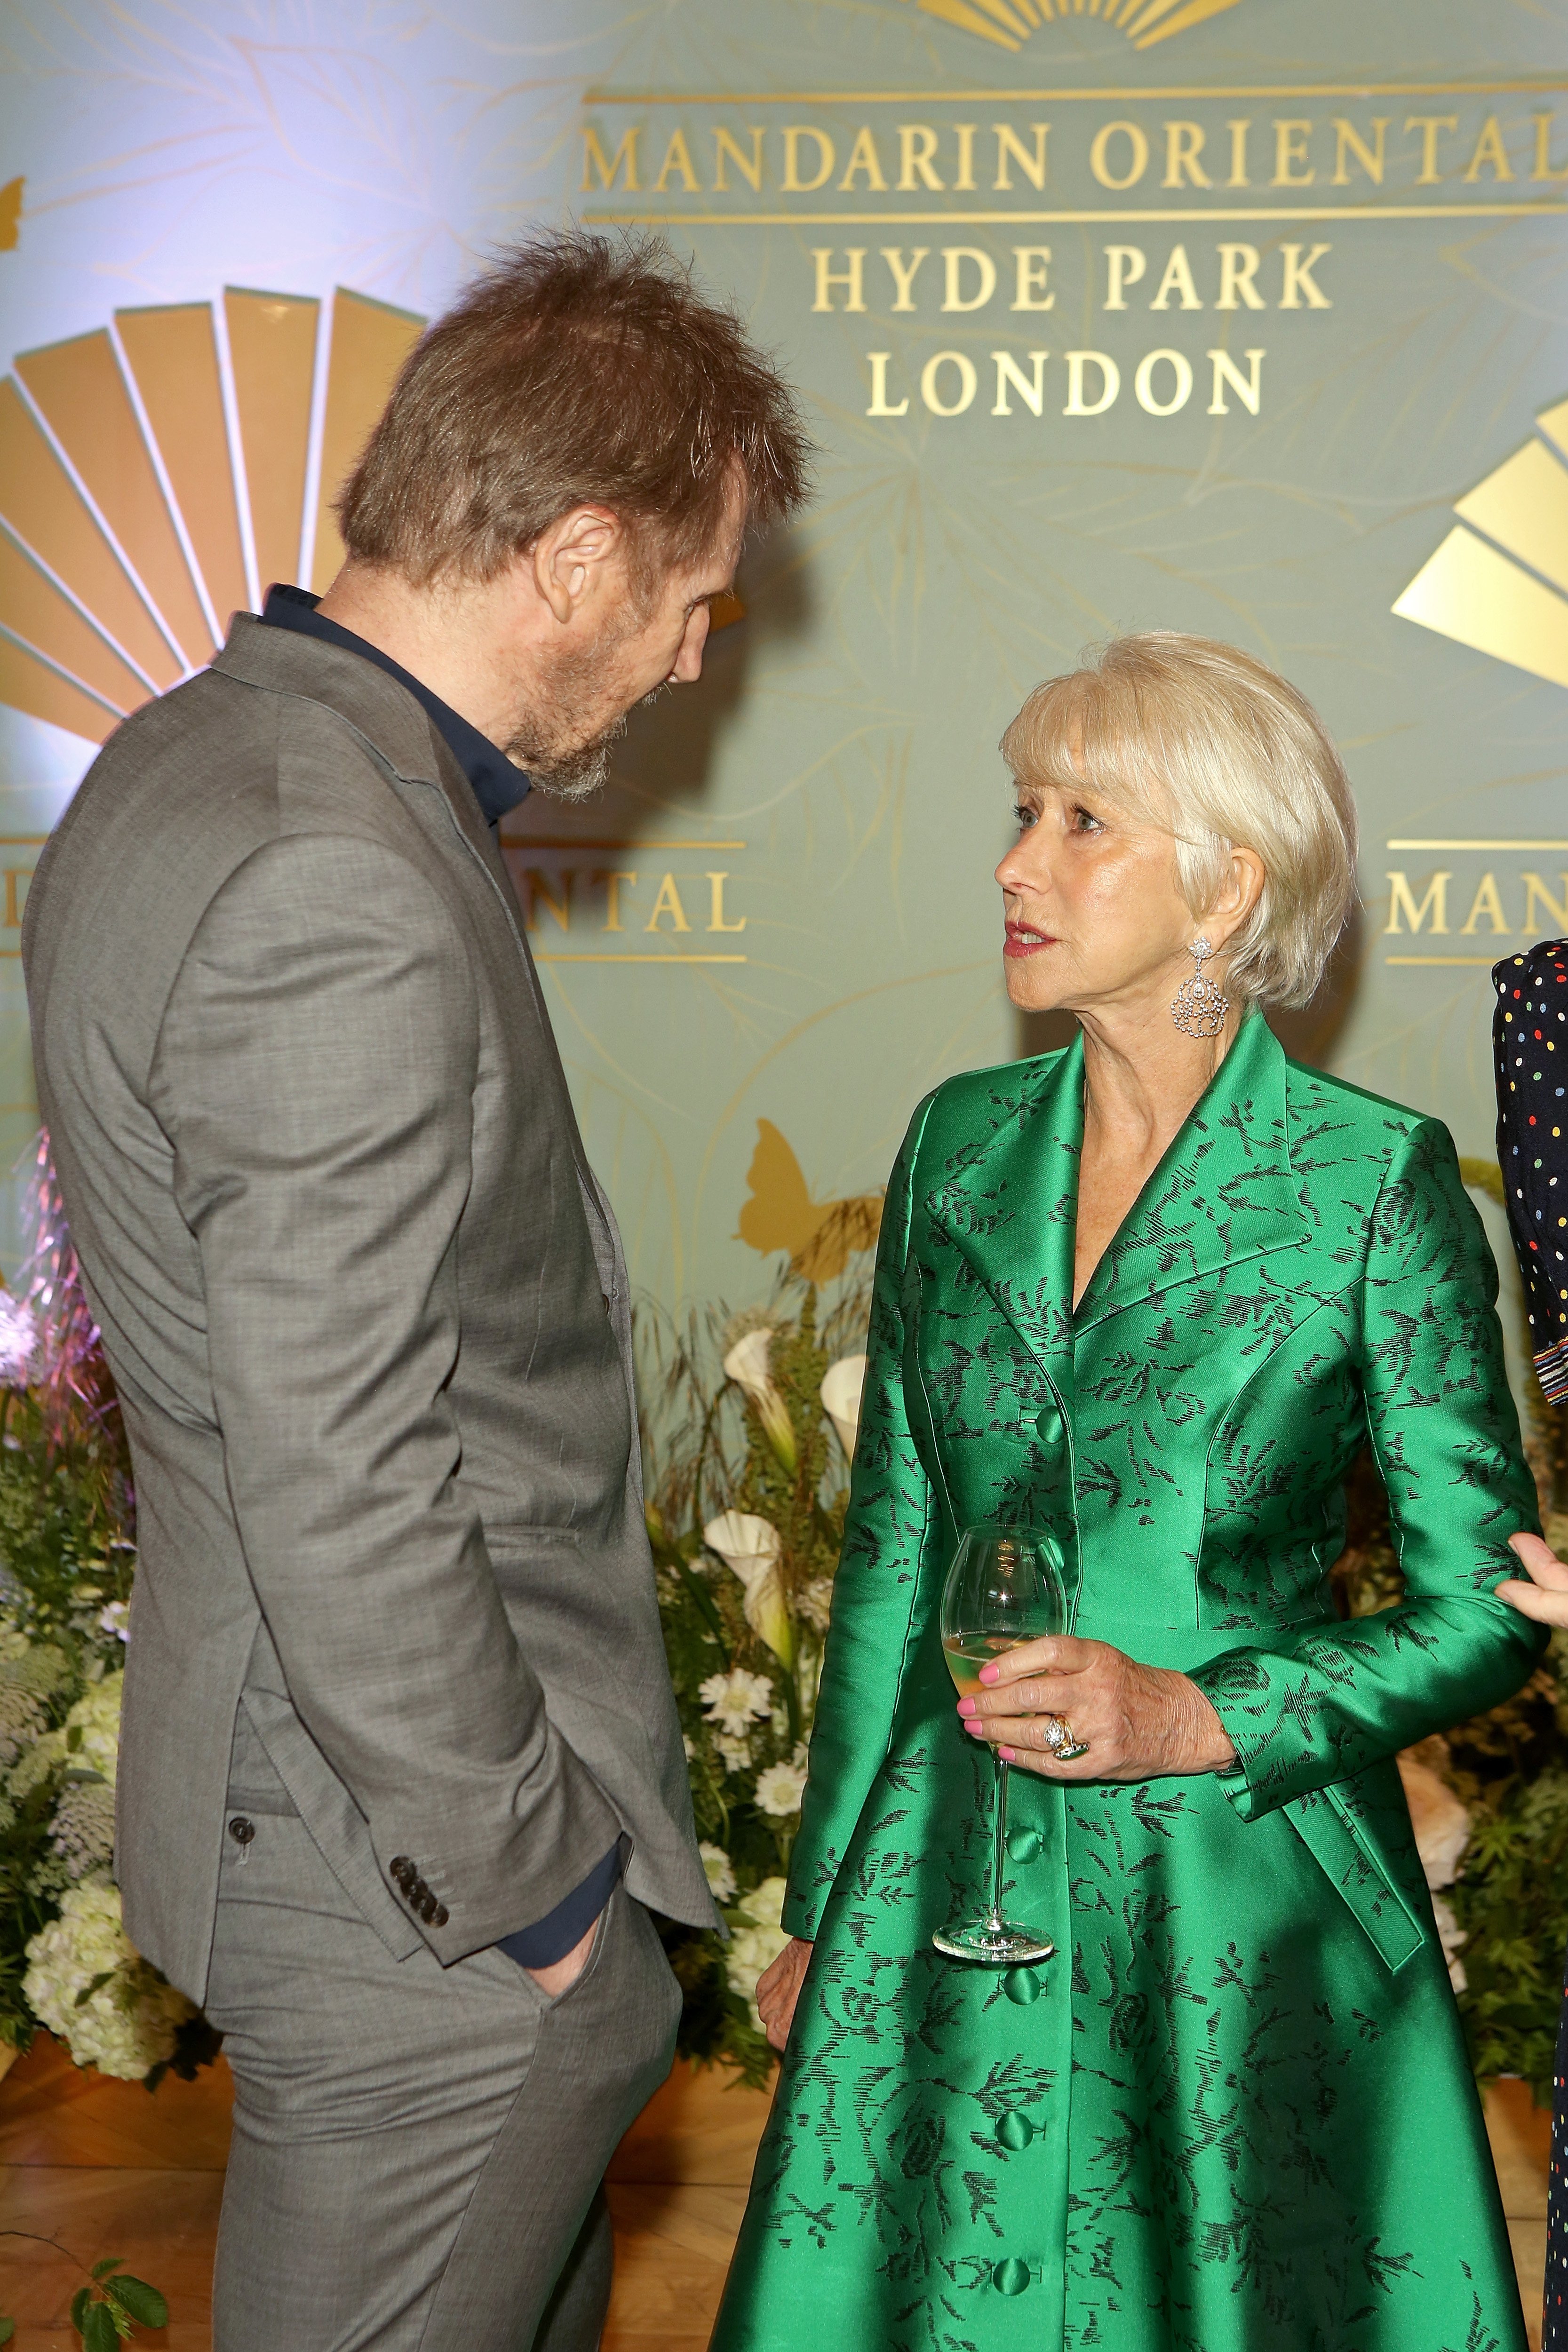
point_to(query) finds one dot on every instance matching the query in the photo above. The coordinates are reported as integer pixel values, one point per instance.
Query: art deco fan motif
(1010, 23)
(1499, 580)
(157, 474)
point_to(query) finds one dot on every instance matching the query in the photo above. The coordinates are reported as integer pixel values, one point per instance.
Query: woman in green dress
(1151, 1295)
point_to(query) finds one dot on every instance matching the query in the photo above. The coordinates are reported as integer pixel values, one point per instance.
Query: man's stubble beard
(551, 744)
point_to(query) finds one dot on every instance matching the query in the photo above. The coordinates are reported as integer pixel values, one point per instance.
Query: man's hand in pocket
(554, 1979)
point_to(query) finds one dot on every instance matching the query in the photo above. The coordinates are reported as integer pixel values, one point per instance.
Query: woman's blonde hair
(1221, 750)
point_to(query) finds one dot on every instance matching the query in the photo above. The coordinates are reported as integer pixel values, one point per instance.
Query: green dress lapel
(1224, 1192)
(1008, 1201)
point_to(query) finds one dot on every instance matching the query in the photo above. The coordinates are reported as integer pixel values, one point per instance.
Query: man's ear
(573, 559)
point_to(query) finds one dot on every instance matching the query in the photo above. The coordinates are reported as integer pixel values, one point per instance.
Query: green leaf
(81, 2302)
(7, 2329)
(110, 2262)
(97, 1985)
(99, 2332)
(143, 2302)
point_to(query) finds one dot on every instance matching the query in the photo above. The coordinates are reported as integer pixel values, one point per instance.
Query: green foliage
(66, 1554)
(107, 2311)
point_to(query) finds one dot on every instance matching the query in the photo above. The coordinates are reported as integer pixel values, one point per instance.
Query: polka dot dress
(1529, 1036)
(1529, 1039)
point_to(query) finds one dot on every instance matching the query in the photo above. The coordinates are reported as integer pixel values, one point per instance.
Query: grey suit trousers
(417, 2149)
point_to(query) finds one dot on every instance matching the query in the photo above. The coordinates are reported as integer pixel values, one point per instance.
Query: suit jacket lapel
(1224, 1192)
(1009, 1203)
(401, 734)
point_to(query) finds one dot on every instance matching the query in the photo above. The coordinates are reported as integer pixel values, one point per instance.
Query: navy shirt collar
(498, 785)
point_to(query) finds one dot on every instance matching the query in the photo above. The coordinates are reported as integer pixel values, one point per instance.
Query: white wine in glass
(1005, 1587)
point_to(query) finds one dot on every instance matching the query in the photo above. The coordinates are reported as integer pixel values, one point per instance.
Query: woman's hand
(778, 1990)
(1136, 1721)
(1545, 1597)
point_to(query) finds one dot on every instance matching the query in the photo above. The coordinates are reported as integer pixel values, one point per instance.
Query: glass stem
(999, 1845)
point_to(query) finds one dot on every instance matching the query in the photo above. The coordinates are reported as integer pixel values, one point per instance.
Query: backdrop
(1241, 316)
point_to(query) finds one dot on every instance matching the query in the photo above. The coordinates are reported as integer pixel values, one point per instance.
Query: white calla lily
(843, 1390)
(751, 1548)
(747, 1364)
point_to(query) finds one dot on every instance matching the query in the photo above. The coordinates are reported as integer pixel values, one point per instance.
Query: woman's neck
(1142, 1076)
(1141, 1081)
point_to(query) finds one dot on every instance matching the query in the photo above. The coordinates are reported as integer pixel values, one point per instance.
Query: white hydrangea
(116, 1619)
(95, 1719)
(757, 1942)
(720, 1870)
(736, 1700)
(735, 1754)
(778, 1789)
(125, 2027)
(764, 1904)
(88, 1740)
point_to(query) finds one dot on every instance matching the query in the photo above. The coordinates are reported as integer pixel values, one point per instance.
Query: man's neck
(445, 636)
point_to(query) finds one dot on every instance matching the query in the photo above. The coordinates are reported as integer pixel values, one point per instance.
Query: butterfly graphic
(821, 1236)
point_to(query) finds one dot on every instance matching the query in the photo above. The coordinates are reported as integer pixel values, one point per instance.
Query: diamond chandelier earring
(1199, 1007)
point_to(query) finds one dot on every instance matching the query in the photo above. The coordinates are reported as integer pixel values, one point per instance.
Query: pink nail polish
(975, 1726)
(989, 1673)
(966, 1706)
(1008, 1754)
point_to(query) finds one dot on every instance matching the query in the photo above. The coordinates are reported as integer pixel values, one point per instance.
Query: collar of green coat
(1224, 1192)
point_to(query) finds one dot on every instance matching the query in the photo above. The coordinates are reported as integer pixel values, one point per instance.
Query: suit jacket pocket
(337, 1827)
(1324, 1821)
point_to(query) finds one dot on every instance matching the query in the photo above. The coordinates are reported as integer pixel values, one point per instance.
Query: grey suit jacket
(366, 1308)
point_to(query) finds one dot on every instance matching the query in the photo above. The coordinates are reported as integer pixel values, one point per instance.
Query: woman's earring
(1199, 1008)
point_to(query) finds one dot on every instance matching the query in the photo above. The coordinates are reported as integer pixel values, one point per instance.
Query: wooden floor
(106, 2169)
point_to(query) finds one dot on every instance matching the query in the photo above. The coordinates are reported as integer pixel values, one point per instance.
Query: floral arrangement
(754, 1427)
(747, 1499)
(67, 1557)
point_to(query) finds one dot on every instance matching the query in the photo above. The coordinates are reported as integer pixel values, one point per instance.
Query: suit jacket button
(241, 1831)
(402, 1870)
(442, 1914)
(1049, 1425)
(428, 1907)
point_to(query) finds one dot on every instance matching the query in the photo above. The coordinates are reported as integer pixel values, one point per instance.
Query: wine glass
(1005, 1587)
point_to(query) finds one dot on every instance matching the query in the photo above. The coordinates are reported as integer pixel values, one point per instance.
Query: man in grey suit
(402, 1776)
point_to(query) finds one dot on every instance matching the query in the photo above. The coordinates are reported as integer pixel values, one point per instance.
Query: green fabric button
(1024, 1845)
(1023, 1985)
(1010, 2277)
(1015, 2130)
(1050, 1424)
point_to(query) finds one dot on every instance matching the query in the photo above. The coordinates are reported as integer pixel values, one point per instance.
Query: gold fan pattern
(1499, 580)
(1010, 23)
(154, 476)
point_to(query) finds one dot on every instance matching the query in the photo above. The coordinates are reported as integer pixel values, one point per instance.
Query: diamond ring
(1059, 1739)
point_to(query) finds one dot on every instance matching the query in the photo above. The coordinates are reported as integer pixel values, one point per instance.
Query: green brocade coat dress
(1234, 2114)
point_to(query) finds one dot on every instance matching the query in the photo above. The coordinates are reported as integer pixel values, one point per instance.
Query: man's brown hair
(576, 372)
